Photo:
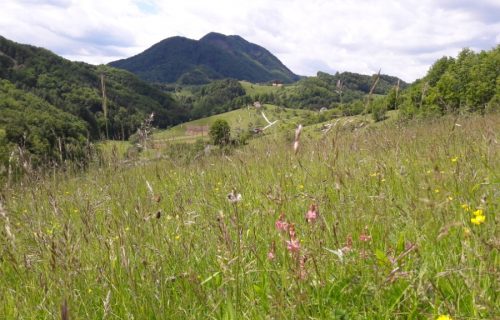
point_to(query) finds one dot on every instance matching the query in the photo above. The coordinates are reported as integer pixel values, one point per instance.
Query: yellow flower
(450, 198)
(374, 174)
(465, 206)
(301, 186)
(444, 317)
(436, 190)
(477, 220)
(455, 159)
(177, 237)
(478, 212)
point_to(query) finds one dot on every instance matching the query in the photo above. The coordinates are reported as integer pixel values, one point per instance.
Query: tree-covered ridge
(468, 83)
(215, 56)
(38, 127)
(75, 88)
(329, 91)
(218, 97)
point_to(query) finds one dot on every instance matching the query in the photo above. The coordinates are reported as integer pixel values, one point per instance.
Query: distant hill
(324, 90)
(215, 56)
(46, 99)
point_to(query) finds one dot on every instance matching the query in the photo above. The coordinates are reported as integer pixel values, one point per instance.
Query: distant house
(323, 109)
(257, 104)
(277, 83)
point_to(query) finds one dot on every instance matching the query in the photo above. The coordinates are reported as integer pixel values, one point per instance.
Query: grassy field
(405, 227)
(240, 120)
(253, 89)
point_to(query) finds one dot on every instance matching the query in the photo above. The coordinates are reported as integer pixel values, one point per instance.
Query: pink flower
(271, 255)
(281, 224)
(293, 246)
(364, 235)
(348, 245)
(312, 213)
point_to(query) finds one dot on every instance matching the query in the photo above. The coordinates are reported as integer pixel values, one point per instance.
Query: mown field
(404, 226)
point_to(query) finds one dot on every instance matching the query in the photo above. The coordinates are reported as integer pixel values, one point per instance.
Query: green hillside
(37, 83)
(215, 56)
(241, 120)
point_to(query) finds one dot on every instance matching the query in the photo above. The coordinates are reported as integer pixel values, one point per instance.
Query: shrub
(220, 132)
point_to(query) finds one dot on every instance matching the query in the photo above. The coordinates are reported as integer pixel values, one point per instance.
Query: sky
(402, 38)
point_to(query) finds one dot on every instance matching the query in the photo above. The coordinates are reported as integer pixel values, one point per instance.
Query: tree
(220, 132)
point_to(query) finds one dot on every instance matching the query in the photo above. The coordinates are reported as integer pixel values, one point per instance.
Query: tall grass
(393, 236)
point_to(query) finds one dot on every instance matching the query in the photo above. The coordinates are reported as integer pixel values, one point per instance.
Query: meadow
(394, 221)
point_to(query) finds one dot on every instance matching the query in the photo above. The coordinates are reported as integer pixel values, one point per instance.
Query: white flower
(234, 197)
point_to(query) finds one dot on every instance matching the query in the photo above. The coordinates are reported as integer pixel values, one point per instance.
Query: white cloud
(401, 38)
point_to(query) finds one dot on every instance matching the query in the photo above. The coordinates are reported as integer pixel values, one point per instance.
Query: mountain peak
(213, 36)
(214, 56)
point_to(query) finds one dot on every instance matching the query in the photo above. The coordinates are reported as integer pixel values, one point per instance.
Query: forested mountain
(215, 56)
(39, 84)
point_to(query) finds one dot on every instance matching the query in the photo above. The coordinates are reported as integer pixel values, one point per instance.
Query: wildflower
(272, 252)
(348, 245)
(233, 197)
(450, 198)
(293, 246)
(374, 174)
(281, 224)
(465, 206)
(312, 213)
(477, 220)
(478, 212)
(436, 190)
(177, 237)
(300, 186)
(455, 159)
(444, 317)
(364, 237)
